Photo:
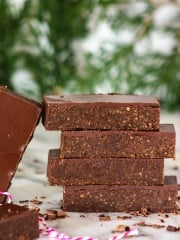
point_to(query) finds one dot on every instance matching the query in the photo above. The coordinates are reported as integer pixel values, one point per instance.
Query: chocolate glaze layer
(18, 119)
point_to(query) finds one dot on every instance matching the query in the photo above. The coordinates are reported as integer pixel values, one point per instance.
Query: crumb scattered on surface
(172, 229)
(103, 217)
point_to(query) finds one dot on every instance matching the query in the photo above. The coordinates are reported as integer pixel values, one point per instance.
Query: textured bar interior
(118, 198)
(110, 171)
(101, 111)
(118, 143)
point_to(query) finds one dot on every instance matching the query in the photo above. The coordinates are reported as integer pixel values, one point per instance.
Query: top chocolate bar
(101, 111)
(18, 119)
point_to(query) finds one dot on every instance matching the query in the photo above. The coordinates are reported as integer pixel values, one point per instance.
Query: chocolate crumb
(36, 201)
(143, 224)
(171, 228)
(120, 228)
(162, 220)
(61, 214)
(166, 215)
(103, 217)
(82, 216)
(175, 168)
(51, 216)
(140, 224)
(127, 228)
(23, 201)
(124, 217)
(36, 160)
(43, 197)
(45, 216)
(155, 226)
(52, 211)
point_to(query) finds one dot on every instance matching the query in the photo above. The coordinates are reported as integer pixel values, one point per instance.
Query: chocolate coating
(18, 119)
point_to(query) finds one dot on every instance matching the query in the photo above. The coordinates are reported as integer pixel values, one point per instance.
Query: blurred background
(91, 46)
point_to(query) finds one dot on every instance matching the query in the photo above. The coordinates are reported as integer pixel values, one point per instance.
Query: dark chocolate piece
(18, 222)
(118, 198)
(101, 111)
(110, 171)
(118, 143)
(18, 119)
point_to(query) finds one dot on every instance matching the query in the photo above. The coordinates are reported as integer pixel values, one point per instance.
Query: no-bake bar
(18, 222)
(18, 119)
(110, 171)
(119, 198)
(118, 143)
(101, 111)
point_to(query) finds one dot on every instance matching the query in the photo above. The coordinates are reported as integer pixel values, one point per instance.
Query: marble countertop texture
(30, 182)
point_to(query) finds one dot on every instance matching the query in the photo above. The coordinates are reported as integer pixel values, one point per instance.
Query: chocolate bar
(18, 119)
(110, 171)
(18, 222)
(119, 198)
(101, 111)
(119, 143)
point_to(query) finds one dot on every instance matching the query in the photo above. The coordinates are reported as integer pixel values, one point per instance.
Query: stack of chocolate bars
(112, 151)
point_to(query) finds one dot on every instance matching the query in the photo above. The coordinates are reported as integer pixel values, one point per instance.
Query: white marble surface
(30, 181)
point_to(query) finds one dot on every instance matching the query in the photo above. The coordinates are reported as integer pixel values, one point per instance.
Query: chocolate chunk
(117, 143)
(18, 119)
(101, 111)
(117, 198)
(18, 222)
(83, 171)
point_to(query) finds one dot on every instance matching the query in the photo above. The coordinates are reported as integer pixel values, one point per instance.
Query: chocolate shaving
(143, 224)
(124, 217)
(24, 201)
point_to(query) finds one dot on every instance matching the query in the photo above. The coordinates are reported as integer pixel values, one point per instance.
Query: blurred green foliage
(44, 38)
